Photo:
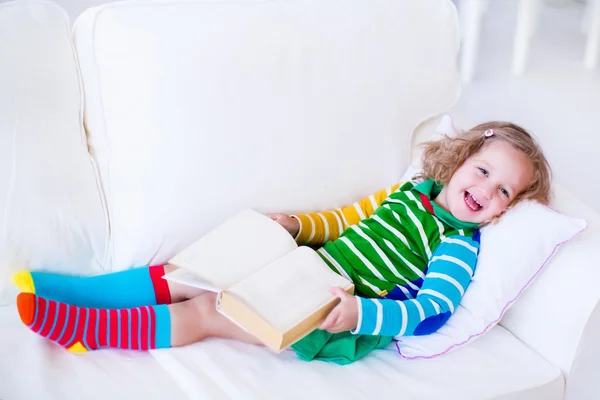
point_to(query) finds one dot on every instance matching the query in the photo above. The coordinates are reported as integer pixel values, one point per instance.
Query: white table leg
(470, 14)
(585, 21)
(527, 17)
(592, 46)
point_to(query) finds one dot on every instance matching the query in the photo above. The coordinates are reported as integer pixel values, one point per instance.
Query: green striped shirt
(412, 256)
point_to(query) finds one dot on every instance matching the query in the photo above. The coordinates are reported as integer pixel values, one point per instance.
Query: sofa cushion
(52, 213)
(196, 110)
(498, 366)
(33, 368)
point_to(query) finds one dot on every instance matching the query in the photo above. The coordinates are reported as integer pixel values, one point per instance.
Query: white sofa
(123, 142)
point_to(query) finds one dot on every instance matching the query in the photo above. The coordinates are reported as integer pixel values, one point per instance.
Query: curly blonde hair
(441, 158)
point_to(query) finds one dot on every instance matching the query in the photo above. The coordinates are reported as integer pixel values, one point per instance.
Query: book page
(185, 277)
(236, 249)
(289, 289)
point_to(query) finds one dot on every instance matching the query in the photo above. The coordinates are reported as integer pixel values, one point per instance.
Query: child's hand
(344, 317)
(290, 224)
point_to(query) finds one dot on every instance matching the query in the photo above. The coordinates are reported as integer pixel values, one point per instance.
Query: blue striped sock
(125, 289)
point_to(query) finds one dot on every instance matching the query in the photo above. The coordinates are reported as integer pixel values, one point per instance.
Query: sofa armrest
(559, 315)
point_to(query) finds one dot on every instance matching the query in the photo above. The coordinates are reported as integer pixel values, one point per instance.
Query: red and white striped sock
(80, 329)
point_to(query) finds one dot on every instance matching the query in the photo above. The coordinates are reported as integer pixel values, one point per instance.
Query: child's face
(485, 185)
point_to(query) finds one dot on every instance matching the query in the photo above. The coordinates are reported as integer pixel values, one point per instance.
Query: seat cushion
(33, 368)
(496, 366)
(196, 110)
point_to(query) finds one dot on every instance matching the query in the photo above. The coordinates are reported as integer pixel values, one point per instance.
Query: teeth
(471, 205)
(476, 201)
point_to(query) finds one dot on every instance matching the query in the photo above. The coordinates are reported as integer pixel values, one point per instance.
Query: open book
(266, 284)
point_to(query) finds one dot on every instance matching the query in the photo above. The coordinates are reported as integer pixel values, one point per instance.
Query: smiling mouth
(472, 202)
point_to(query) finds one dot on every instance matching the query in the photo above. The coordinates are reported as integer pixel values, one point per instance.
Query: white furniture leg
(470, 14)
(592, 47)
(527, 17)
(585, 21)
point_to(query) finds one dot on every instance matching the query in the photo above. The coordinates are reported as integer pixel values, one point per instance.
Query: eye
(505, 192)
(483, 171)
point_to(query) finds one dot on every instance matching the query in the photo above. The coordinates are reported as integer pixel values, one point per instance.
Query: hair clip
(489, 133)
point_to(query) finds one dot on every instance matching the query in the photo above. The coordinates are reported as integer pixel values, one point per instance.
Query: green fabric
(391, 248)
(431, 190)
(339, 348)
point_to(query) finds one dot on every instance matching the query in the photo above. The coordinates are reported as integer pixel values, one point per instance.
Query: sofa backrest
(52, 215)
(196, 110)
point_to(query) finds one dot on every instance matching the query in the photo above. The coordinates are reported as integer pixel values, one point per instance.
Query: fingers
(274, 216)
(344, 316)
(279, 217)
(331, 320)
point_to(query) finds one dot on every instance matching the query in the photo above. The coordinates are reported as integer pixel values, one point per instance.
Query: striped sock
(130, 288)
(80, 329)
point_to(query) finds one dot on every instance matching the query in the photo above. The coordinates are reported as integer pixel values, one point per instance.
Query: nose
(487, 189)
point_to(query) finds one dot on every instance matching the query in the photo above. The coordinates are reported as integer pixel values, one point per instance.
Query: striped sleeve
(318, 228)
(449, 273)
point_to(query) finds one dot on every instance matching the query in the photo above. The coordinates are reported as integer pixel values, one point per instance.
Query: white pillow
(512, 254)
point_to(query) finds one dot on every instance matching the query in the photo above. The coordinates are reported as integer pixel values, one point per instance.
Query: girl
(411, 251)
